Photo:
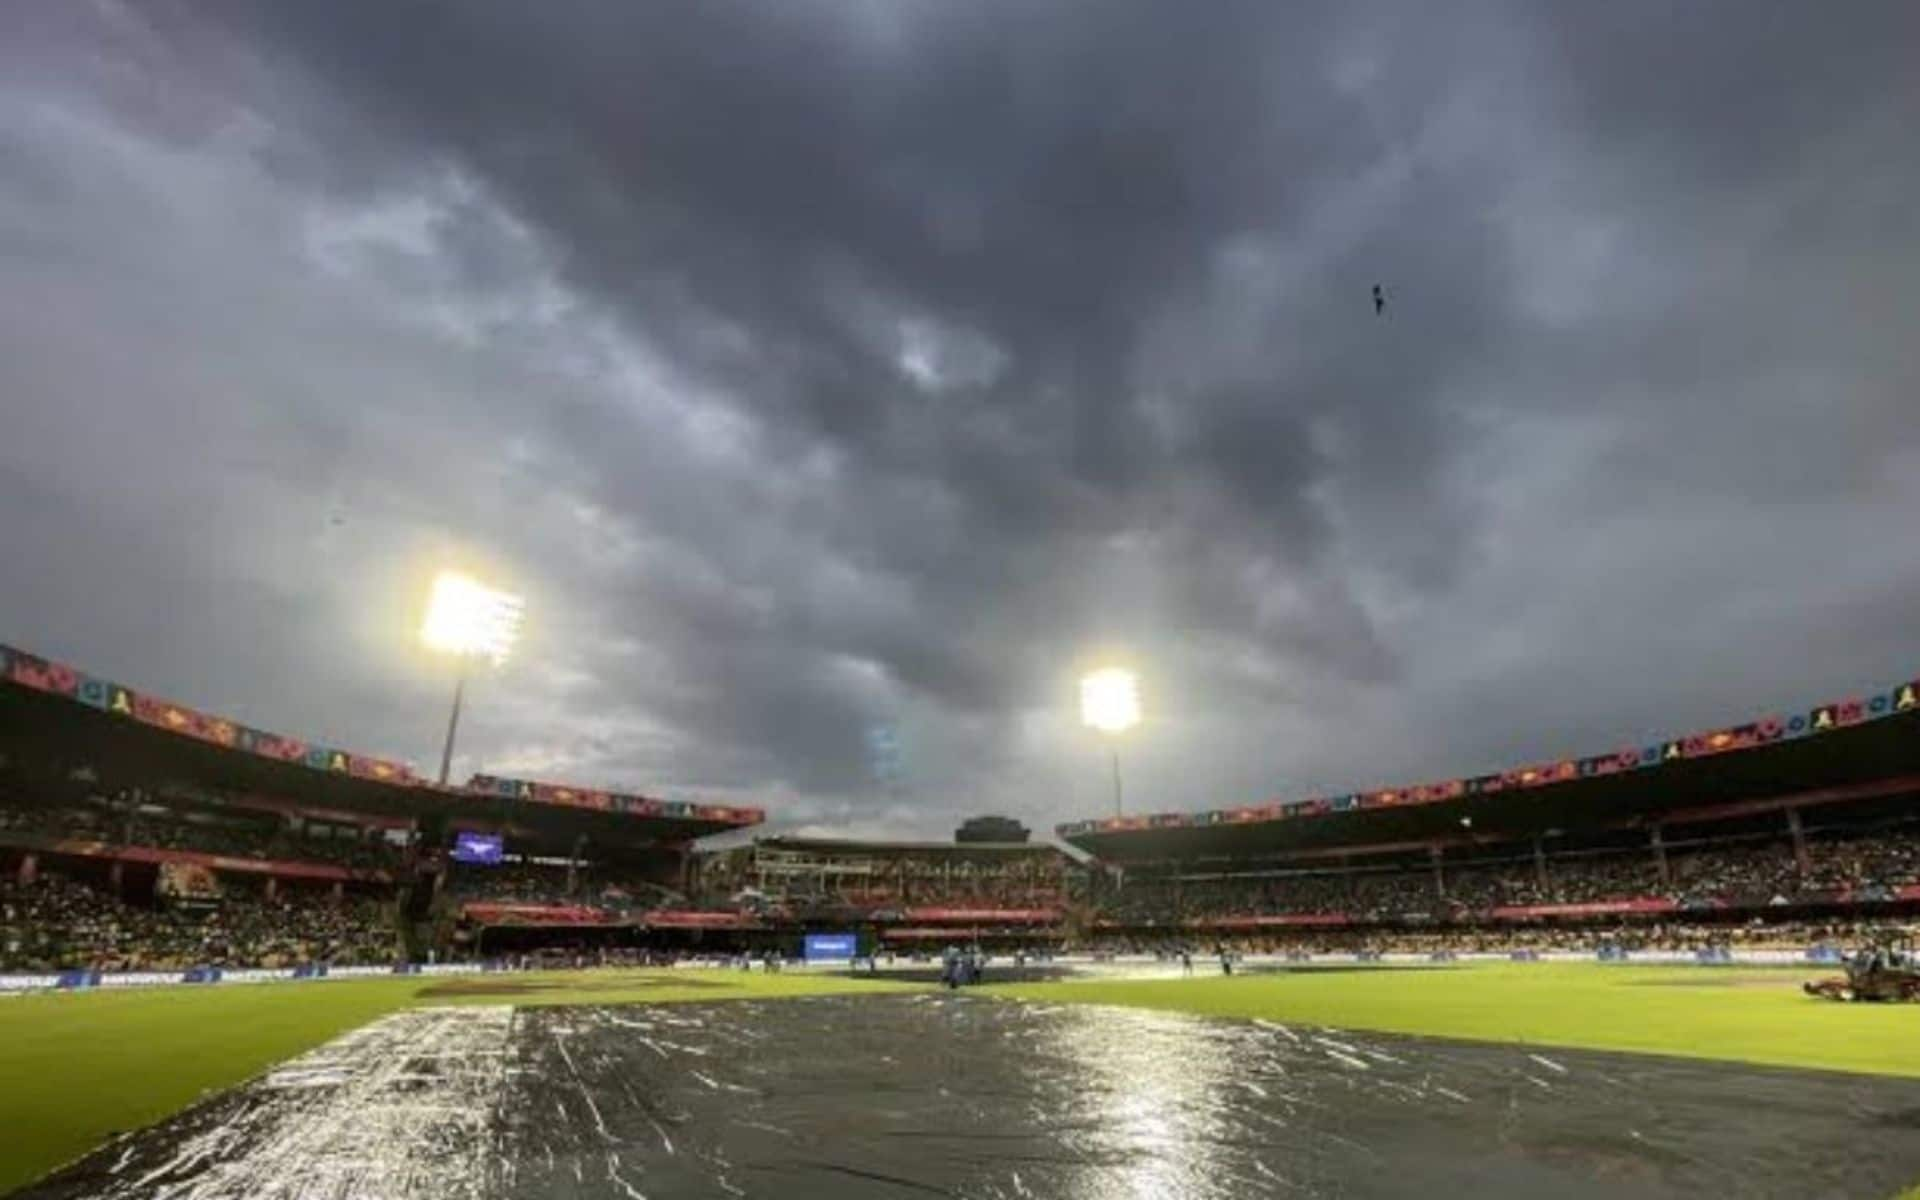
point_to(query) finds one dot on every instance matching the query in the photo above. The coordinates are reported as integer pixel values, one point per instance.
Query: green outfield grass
(75, 1069)
(1751, 1015)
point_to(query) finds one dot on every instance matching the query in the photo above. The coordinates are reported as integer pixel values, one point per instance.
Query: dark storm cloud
(835, 365)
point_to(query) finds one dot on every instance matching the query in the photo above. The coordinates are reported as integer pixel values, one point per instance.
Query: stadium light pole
(1110, 703)
(469, 620)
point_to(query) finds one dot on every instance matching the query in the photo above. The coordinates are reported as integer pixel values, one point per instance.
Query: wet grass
(74, 1069)
(1749, 1015)
(77, 1068)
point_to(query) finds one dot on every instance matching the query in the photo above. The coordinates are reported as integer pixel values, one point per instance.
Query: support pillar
(1540, 865)
(573, 863)
(1439, 877)
(1659, 845)
(1801, 861)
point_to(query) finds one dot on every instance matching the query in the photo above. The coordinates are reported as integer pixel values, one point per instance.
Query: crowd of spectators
(1669, 936)
(885, 878)
(513, 883)
(1866, 866)
(1755, 873)
(801, 899)
(56, 923)
(235, 835)
(1372, 894)
(610, 888)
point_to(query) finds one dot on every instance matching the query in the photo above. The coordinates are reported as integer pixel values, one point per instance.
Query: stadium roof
(1875, 737)
(135, 734)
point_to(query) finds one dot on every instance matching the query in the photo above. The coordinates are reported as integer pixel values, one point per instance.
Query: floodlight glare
(1110, 700)
(466, 617)
(468, 620)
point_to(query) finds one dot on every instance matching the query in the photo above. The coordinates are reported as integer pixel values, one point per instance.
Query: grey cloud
(826, 367)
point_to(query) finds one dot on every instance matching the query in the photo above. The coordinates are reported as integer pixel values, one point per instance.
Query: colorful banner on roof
(1899, 699)
(39, 674)
(600, 801)
(30, 670)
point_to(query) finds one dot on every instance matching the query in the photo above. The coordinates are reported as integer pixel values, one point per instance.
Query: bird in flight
(1379, 300)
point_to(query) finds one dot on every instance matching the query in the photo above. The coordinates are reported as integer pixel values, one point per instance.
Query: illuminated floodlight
(468, 618)
(1110, 700)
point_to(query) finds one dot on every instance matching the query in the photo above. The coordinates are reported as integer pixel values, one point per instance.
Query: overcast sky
(815, 368)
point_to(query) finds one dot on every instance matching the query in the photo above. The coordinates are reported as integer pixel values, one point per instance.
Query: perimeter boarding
(959, 968)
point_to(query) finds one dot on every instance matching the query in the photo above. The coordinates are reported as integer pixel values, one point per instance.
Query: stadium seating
(135, 817)
(1745, 874)
(55, 922)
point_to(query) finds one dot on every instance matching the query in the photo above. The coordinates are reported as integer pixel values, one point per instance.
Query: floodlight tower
(1110, 703)
(470, 621)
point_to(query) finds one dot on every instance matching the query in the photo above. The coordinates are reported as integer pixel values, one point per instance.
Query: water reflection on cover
(963, 1096)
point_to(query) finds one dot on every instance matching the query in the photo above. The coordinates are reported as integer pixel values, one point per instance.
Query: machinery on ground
(1887, 972)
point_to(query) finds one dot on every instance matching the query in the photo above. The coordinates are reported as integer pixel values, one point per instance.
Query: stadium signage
(819, 947)
(253, 975)
(1825, 718)
(122, 979)
(207, 976)
(28, 983)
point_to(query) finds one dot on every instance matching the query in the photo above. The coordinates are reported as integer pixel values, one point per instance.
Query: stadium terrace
(1765, 748)
(138, 834)
(1785, 829)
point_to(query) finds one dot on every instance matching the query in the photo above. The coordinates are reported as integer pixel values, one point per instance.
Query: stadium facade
(217, 842)
(1812, 815)
(161, 818)
(903, 896)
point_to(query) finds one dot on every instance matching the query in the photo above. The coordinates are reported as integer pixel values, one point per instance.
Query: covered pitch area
(1516, 1080)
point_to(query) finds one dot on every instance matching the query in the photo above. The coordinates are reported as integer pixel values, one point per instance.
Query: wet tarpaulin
(963, 1096)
